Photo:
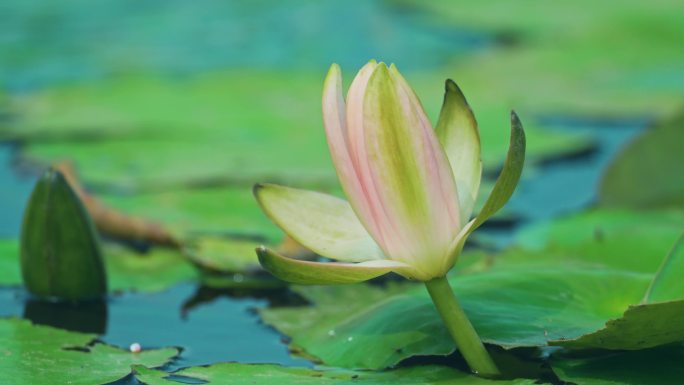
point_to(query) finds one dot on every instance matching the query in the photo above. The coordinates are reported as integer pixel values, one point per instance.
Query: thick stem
(460, 328)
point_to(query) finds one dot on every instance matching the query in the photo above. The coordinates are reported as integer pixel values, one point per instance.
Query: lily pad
(647, 173)
(522, 306)
(244, 374)
(624, 239)
(566, 62)
(152, 134)
(642, 326)
(10, 273)
(42, 355)
(660, 366)
(231, 211)
(153, 271)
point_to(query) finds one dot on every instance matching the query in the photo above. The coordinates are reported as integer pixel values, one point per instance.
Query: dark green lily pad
(659, 366)
(42, 355)
(244, 374)
(648, 172)
(519, 306)
(623, 239)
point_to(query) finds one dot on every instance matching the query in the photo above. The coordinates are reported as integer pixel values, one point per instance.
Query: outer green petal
(322, 273)
(510, 174)
(503, 188)
(458, 133)
(322, 223)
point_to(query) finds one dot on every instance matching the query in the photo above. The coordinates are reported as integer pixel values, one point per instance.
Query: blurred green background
(171, 110)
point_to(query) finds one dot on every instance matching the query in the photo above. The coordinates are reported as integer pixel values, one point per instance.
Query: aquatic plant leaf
(642, 326)
(153, 271)
(149, 120)
(60, 248)
(246, 374)
(619, 238)
(230, 211)
(10, 273)
(513, 306)
(647, 172)
(42, 355)
(658, 366)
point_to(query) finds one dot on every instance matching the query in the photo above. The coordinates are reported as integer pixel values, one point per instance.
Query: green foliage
(522, 306)
(648, 172)
(242, 374)
(42, 355)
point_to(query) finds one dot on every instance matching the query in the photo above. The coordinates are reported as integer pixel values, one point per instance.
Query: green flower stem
(460, 328)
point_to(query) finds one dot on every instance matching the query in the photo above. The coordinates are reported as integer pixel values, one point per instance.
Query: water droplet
(350, 339)
(331, 333)
(135, 347)
(238, 278)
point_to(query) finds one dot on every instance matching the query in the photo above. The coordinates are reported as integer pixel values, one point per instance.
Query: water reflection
(89, 317)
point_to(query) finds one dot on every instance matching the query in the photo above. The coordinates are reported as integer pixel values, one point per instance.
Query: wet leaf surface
(239, 374)
(43, 355)
(512, 307)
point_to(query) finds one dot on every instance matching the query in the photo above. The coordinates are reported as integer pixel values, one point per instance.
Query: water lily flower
(411, 191)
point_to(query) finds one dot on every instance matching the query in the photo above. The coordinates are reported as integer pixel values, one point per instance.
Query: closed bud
(60, 251)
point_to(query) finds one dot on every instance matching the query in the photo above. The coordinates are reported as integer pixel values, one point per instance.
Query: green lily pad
(660, 366)
(521, 306)
(565, 61)
(218, 210)
(239, 374)
(154, 271)
(223, 254)
(642, 326)
(631, 240)
(151, 133)
(647, 172)
(42, 355)
(10, 272)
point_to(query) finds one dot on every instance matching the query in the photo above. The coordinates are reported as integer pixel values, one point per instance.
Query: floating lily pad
(220, 210)
(10, 273)
(648, 172)
(221, 128)
(642, 326)
(566, 61)
(526, 305)
(42, 355)
(631, 240)
(243, 374)
(154, 271)
(660, 366)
